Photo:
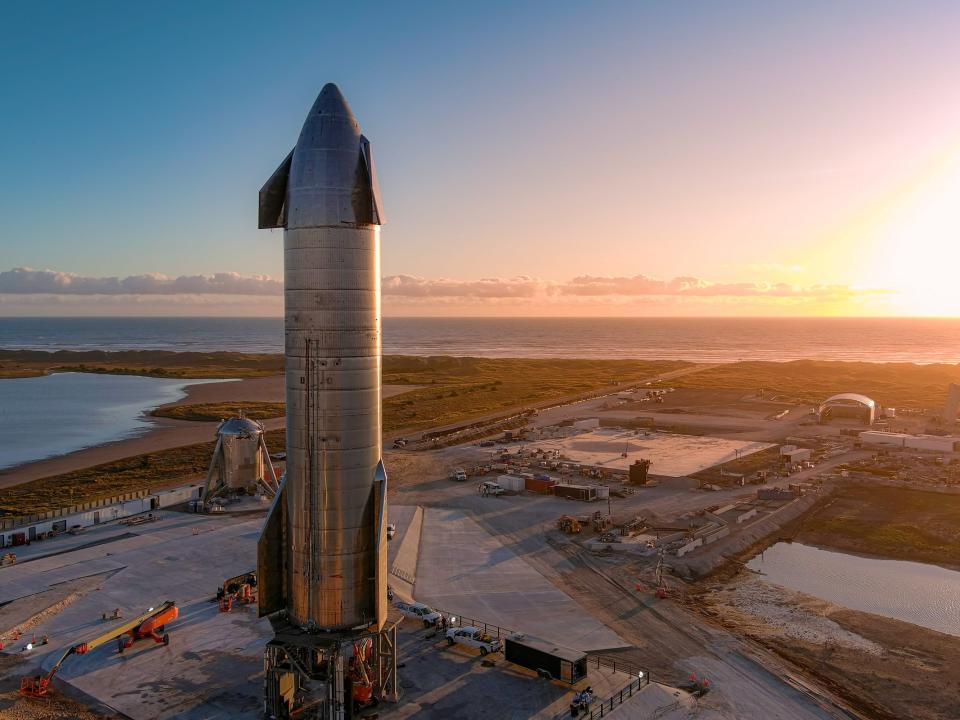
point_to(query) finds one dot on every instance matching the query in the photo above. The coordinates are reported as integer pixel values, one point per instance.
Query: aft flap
(271, 560)
(273, 197)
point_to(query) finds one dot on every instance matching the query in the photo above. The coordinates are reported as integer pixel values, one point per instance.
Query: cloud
(411, 289)
(592, 286)
(639, 285)
(25, 281)
(412, 286)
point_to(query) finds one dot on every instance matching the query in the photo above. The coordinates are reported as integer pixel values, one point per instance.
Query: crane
(149, 624)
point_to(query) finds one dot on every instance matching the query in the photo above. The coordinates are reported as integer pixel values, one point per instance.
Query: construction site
(545, 531)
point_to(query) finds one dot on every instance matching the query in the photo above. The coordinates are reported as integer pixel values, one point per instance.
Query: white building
(794, 454)
(849, 406)
(935, 443)
(95, 512)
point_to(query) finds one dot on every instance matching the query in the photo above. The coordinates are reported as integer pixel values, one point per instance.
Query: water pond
(926, 595)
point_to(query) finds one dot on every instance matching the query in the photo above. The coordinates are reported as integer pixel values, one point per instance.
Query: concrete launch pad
(447, 682)
(671, 455)
(464, 569)
(213, 667)
(476, 556)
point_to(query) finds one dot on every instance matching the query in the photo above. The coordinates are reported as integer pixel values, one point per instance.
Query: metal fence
(488, 628)
(618, 665)
(607, 706)
(640, 675)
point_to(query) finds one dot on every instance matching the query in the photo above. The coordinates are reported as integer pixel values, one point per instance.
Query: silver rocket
(321, 557)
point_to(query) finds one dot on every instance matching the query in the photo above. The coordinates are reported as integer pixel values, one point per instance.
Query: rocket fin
(380, 572)
(273, 197)
(271, 556)
(367, 151)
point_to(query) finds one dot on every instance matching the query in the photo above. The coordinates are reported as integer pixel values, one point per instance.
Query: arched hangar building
(849, 406)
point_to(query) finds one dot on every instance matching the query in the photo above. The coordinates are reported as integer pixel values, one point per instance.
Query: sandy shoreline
(165, 433)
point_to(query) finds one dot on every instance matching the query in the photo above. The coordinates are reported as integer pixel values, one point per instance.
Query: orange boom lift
(150, 624)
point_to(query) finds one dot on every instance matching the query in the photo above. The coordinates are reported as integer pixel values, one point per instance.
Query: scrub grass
(214, 412)
(454, 390)
(899, 385)
(161, 469)
(891, 522)
(153, 363)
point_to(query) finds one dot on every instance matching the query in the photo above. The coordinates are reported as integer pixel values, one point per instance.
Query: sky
(535, 158)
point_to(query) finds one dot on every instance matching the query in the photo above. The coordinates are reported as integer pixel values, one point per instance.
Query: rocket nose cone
(331, 101)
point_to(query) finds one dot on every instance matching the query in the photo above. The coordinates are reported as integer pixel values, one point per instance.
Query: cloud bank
(413, 289)
(25, 281)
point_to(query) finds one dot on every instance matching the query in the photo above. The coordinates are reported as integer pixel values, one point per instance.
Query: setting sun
(917, 249)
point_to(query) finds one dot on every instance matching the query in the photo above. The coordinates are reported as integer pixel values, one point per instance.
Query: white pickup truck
(473, 637)
(459, 474)
(419, 611)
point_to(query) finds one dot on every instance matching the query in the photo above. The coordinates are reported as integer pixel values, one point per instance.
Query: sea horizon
(707, 339)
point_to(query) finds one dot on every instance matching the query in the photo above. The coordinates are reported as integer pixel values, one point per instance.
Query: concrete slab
(662, 702)
(452, 684)
(213, 665)
(671, 455)
(212, 670)
(465, 570)
(404, 551)
(399, 515)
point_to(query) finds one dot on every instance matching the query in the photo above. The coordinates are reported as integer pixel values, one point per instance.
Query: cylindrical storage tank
(540, 486)
(242, 457)
(511, 483)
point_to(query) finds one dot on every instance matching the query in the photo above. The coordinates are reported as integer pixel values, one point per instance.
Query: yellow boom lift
(149, 624)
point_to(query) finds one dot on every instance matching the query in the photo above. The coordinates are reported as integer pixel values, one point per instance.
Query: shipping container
(546, 659)
(540, 486)
(586, 493)
(510, 483)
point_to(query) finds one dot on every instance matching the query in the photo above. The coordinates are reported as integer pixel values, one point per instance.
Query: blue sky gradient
(548, 139)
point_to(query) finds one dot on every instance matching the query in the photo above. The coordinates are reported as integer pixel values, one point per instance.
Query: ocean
(693, 339)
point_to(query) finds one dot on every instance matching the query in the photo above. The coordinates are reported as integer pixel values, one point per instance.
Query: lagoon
(42, 417)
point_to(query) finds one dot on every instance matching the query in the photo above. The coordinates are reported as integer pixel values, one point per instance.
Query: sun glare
(917, 250)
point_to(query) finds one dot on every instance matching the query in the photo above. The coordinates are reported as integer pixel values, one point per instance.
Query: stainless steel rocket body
(334, 552)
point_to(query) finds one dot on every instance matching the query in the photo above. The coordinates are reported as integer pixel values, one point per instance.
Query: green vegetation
(155, 363)
(165, 468)
(892, 522)
(900, 385)
(454, 390)
(458, 389)
(213, 412)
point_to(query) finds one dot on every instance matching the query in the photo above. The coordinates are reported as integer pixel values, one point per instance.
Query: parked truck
(550, 661)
